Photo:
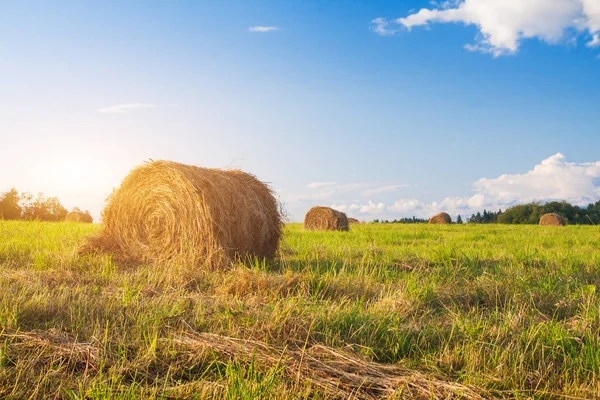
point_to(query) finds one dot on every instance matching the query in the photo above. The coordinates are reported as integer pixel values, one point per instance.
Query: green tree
(459, 219)
(10, 207)
(40, 208)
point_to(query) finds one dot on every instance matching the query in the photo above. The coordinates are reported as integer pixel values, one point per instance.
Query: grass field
(405, 311)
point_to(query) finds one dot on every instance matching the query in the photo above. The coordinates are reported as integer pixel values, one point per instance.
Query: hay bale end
(325, 219)
(167, 211)
(79, 216)
(552, 219)
(441, 218)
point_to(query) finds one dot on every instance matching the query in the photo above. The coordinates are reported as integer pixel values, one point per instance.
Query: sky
(382, 109)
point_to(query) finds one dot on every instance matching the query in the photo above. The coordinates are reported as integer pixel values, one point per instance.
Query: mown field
(398, 311)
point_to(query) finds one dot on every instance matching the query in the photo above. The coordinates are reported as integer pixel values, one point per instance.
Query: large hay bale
(352, 221)
(78, 216)
(325, 219)
(440, 218)
(552, 219)
(164, 210)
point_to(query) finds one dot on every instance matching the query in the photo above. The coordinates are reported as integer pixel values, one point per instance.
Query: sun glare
(72, 175)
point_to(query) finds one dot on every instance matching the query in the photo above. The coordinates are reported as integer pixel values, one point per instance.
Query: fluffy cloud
(504, 24)
(591, 9)
(121, 108)
(353, 198)
(371, 208)
(554, 178)
(262, 29)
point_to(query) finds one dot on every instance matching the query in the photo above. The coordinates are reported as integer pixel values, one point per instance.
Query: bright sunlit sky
(383, 109)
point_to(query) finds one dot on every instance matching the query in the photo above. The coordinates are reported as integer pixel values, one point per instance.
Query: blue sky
(381, 108)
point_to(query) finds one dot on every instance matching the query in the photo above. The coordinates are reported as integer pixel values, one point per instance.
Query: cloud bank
(504, 24)
(554, 178)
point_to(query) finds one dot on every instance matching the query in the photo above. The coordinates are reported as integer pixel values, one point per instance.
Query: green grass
(508, 311)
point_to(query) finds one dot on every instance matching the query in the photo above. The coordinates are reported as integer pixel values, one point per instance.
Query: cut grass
(431, 311)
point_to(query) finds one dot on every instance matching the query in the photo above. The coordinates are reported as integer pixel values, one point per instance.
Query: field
(404, 311)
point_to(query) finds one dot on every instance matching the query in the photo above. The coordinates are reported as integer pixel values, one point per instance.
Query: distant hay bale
(325, 219)
(166, 211)
(440, 218)
(78, 216)
(552, 219)
(352, 221)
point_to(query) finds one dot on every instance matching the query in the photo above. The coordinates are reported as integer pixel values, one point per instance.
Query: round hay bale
(352, 221)
(78, 216)
(325, 219)
(552, 219)
(165, 210)
(440, 218)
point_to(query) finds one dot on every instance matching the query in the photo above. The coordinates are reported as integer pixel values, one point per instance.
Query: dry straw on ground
(164, 211)
(336, 374)
(51, 347)
(330, 373)
(353, 221)
(440, 218)
(325, 219)
(78, 216)
(552, 219)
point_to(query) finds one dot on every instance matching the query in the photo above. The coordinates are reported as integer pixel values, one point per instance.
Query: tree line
(25, 206)
(411, 220)
(529, 213)
(532, 212)
(487, 217)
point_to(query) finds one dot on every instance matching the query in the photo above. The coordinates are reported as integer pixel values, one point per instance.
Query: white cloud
(262, 29)
(353, 198)
(314, 185)
(382, 27)
(311, 197)
(405, 206)
(370, 208)
(504, 24)
(595, 41)
(554, 178)
(444, 4)
(121, 108)
(332, 190)
(591, 9)
(382, 189)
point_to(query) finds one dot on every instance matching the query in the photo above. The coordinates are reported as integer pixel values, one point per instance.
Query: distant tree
(410, 220)
(54, 210)
(531, 213)
(459, 219)
(485, 217)
(10, 207)
(40, 208)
